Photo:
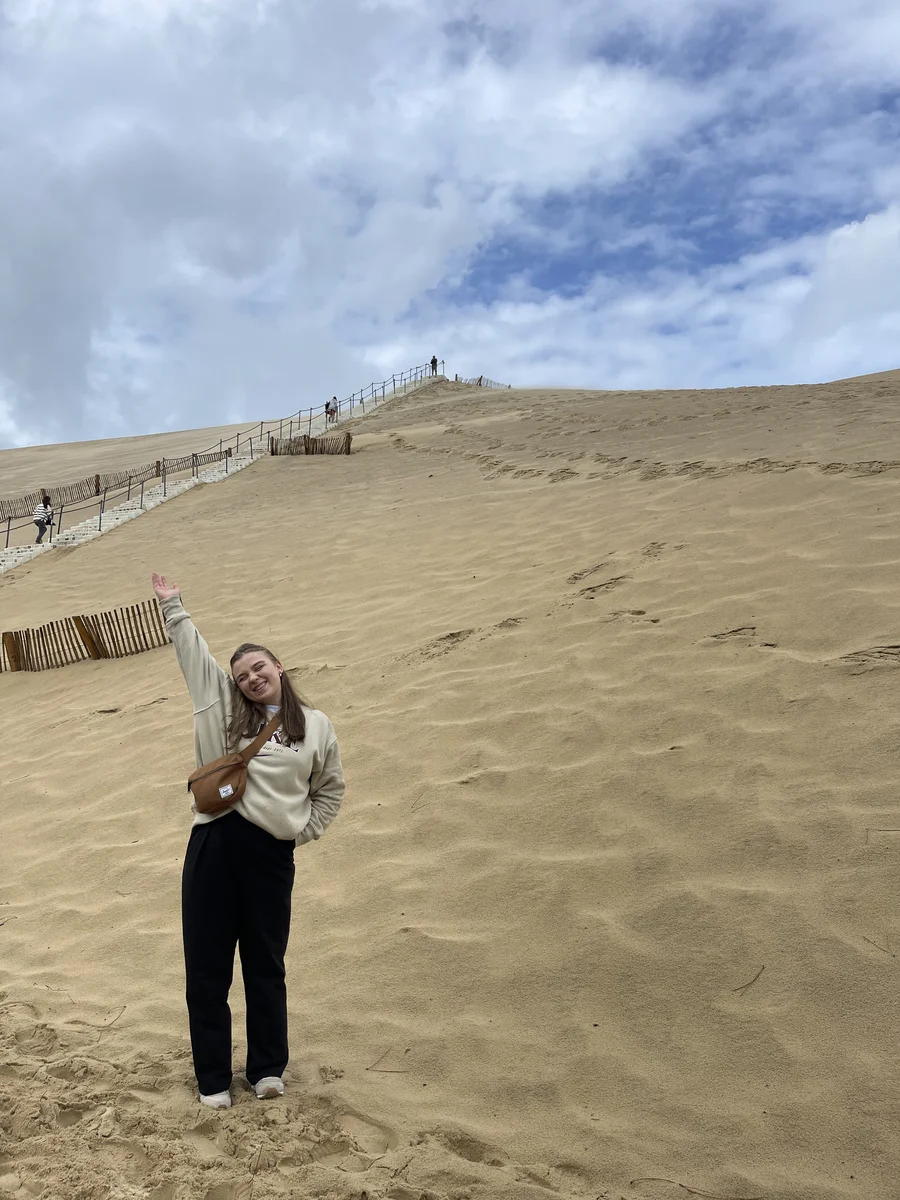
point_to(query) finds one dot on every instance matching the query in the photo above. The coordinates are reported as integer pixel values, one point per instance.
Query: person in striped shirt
(43, 518)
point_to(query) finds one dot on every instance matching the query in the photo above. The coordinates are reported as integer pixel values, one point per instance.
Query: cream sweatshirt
(293, 792)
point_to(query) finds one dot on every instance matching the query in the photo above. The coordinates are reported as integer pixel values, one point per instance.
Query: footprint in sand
(509, 623)
(331, 1152)
(230, 1191)
(73, 1113)
(585, 571)
(741, 633)
(871, 658)
(591, 593)
(210, 1140)
(638, 615)
(369, 1136)
(438, 646)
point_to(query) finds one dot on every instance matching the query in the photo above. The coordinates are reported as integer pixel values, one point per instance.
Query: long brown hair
(248, 719)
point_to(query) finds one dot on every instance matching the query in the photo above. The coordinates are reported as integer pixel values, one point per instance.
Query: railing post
(260, 430)
(251, 447)
(128, 497)
(164, 479)
(103, 506)
(280, 428)
(310, 422)
(142, 495)
(8, 527)
(291, 429)
(62, 509)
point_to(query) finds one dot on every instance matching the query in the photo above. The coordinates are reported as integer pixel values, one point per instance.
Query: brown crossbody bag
(218, 785)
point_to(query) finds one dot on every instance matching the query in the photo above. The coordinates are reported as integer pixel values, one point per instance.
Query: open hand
(164, 590)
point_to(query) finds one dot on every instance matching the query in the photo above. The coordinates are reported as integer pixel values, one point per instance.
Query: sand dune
(610, 908)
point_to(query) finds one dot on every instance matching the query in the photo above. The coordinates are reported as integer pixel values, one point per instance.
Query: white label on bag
(226, 791)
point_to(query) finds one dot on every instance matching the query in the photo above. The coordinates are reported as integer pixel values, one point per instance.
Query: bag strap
(255, 746)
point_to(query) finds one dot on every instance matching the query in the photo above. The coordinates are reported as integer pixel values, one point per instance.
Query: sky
(224, 210)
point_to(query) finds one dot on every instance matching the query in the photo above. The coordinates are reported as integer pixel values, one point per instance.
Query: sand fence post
(87, 638)
(11, 646)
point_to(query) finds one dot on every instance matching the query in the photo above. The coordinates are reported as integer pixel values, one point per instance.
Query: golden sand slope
(611, 906)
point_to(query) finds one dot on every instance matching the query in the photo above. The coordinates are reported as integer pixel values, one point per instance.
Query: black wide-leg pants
(236, 891)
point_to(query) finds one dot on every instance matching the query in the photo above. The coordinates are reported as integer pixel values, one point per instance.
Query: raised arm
(206, 681)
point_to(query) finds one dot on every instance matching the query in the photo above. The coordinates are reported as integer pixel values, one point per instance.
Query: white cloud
(808, 310)
(215, 208)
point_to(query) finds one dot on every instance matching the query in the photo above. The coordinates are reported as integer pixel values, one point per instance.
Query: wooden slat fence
(96, 485)
(483, 381)
(335, 443)
(118, 633)
(193, 461)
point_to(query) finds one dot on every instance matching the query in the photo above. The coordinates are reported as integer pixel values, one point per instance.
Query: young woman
(43, 518)
(239, 866)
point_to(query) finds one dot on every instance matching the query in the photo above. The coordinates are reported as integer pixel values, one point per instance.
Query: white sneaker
(218, 1100)
(269, 1088)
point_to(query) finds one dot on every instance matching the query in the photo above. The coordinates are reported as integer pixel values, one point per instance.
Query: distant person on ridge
(239, 864)
(43, 518)
(434, 364)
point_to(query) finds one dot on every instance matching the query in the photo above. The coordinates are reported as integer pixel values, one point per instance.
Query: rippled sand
(610, 910)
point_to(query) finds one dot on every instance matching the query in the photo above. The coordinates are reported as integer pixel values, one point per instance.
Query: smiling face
(258, 676)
